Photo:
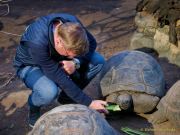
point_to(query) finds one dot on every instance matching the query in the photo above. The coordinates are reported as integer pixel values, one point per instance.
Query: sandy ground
(110, 21)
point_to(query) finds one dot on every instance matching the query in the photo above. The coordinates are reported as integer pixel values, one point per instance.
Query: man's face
(61, 49)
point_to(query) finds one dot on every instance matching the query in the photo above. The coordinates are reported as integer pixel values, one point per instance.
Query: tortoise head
(124, 101)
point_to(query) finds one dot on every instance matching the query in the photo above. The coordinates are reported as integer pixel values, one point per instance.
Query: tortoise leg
(144, 103)
(125, 101)
(159, 116)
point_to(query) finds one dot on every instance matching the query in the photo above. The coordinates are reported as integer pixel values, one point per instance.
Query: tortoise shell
(72, 119)
(132, 71)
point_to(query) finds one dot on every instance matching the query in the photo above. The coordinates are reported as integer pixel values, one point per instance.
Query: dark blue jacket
(37, 49)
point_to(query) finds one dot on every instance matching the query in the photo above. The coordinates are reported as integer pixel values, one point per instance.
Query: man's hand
(68, 66)
(98, 105)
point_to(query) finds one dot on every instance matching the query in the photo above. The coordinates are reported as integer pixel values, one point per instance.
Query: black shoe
(34, 114)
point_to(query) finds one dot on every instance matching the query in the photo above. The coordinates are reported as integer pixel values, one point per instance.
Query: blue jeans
(44, 90)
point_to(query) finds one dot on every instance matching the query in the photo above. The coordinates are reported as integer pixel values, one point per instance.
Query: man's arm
(52, 69)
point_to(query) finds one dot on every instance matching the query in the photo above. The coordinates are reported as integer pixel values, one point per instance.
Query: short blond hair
(74, 37)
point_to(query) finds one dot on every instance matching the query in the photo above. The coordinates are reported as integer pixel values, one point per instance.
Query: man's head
(71, 39)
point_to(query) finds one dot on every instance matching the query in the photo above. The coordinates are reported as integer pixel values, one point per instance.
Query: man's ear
(57, 42)
(57, 39)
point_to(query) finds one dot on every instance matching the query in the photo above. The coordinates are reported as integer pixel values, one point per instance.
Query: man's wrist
(76, 63)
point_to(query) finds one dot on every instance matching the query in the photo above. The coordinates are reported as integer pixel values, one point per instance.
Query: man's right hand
(68, 66)
(98, 105)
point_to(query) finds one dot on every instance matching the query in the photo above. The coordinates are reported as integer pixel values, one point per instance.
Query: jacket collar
(50, 29)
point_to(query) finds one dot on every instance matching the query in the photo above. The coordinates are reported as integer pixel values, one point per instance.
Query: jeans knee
(44, 97)
(97, 59)
(101, 60)
(49, 95)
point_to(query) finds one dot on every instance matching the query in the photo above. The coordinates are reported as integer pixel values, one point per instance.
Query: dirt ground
(110, 21)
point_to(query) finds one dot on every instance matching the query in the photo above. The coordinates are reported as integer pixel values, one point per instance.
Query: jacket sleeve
(52, 69)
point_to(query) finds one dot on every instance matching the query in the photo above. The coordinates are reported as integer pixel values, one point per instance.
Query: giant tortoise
(72, 119)
(169, 107)
(134, 80)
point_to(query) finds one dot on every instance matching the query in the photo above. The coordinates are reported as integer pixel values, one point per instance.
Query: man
(56, 53)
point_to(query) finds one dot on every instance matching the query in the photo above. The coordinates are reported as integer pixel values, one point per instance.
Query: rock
(161, 40)
(139, 40)
(146, 23)
(150, 35)
(174, 54)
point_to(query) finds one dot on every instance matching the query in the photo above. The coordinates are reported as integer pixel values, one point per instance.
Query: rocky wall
(150, 34)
